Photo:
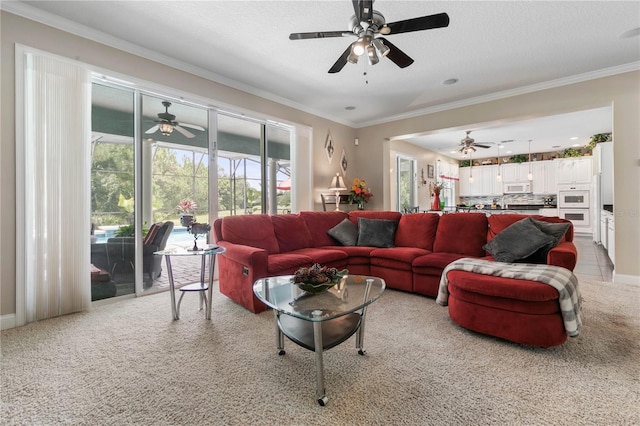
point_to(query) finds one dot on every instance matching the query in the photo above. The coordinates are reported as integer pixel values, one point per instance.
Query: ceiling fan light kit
(365, 24)
(167, 123)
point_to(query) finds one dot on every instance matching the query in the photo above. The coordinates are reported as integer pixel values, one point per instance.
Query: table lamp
(337, 185)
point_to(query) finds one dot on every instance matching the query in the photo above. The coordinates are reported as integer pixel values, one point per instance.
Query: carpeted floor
(129, 363)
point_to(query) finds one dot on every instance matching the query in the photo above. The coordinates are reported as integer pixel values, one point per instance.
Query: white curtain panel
(56, 209)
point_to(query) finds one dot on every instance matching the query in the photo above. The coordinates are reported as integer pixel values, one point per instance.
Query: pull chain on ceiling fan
(366, 24)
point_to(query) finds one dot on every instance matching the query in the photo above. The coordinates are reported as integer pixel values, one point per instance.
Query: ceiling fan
(469, 144)
(166, 124)
(366, 24)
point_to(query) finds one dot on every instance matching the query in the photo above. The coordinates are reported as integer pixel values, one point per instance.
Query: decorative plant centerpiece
(198, 229)
(435, 188)
(187, 209)
(359, 193)
(317, 279)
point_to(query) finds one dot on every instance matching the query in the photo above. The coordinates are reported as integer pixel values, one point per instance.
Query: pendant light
(470, 167)
(530, 175)
(499, 177)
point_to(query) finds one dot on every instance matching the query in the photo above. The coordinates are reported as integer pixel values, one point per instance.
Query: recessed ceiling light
(509, 152)
(350, 108)
(556, 146)
(452, 152)
(573, 138)
(450, 81)
(575, 144)
(501, 146)
(635, 32)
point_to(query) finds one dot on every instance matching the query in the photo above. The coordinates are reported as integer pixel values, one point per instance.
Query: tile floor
(593, 261)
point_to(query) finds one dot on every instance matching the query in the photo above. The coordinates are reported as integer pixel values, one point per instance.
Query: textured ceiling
(493, 48)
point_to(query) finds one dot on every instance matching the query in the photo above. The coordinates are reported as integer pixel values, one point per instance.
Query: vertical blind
(56, 184)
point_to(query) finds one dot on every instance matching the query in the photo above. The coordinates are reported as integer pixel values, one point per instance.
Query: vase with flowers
(187, 209)
(359, 193)
(435, 188)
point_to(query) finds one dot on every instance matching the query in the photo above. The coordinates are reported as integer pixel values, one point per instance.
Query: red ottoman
(521, 311)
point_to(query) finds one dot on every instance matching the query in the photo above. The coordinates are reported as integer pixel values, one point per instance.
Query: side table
(202, 286)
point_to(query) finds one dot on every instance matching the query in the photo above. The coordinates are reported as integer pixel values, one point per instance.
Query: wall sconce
(337, 185)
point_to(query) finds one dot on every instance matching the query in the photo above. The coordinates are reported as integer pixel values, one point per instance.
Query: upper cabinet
(484, 181)
(514, 172)
(544, 177)
(573, 170)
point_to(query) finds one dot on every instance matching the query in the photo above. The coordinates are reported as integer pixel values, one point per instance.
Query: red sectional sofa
(425, 243)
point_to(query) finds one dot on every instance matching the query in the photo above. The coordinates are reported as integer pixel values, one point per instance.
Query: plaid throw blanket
(559, 278)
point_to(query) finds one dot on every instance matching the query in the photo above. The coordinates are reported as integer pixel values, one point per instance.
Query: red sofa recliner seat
(259, 246)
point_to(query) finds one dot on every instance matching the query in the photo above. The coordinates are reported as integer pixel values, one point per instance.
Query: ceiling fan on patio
(167, 123)
(469, 144)
(366, 24)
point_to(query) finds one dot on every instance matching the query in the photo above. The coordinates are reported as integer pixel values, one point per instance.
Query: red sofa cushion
(319, 222)
(291, 231)
(254, 230)
(417, 230)
(287, 263)
(462, 233)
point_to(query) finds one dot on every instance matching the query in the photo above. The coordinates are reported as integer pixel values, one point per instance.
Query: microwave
(516, 188)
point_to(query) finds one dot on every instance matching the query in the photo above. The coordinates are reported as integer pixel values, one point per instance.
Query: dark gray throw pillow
(346, 232)
(555, 230)
(376, 232)
(518, 241)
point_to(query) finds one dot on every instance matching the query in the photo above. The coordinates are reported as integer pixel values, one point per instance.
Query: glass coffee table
(319, 322)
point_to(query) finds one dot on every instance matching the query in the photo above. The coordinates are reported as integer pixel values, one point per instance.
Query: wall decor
(329, 147)
(430, 171)
(343, 162)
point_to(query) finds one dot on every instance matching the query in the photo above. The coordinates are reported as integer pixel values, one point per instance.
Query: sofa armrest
(246, 255)
(564, 254)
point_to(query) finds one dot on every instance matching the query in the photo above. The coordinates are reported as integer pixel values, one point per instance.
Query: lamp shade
(337, 183)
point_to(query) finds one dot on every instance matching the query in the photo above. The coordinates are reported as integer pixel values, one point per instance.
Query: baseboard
(626, 279)
(7, 321)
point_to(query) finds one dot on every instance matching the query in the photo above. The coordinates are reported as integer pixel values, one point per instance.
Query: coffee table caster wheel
(361, 351)
(323, 401)
(281, 352)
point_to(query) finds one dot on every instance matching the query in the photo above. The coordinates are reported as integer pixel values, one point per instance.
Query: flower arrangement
(317, 278)
(187, 206)
(359, 193)
(436, 187)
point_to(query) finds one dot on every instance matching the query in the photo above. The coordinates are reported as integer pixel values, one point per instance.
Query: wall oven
(574, 199)
(579, 217)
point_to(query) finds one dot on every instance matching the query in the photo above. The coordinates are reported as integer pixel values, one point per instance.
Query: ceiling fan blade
(153, 129)
(191, 126)
(481, 146)
(439, 20)
(398, 57)
(184, 131)
(323, 34)
(341, 62)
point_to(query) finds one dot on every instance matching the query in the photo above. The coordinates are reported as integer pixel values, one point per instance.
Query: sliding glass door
(254, 167)
(112, 192)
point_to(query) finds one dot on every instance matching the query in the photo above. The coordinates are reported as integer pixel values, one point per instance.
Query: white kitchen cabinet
(484, 181)
(548, 212)
(465, 187)
(604, 229)
(515, 172)
(603, 166)
(611, 239)
(574, 170)
(544, 177)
